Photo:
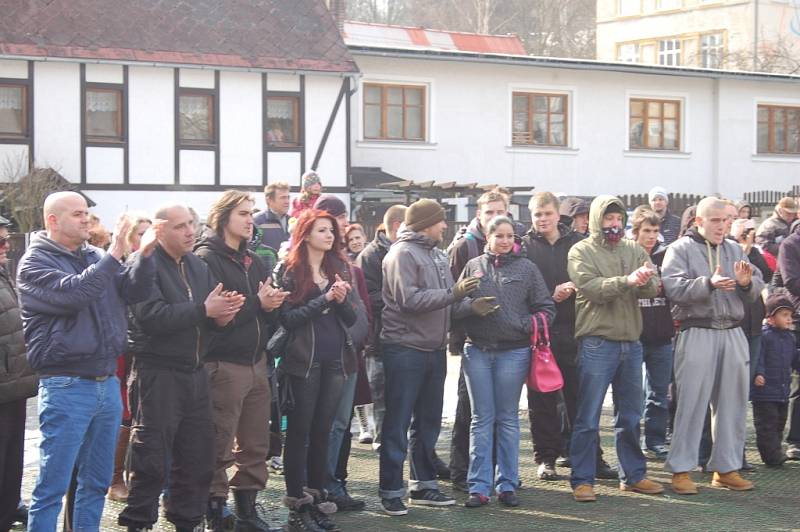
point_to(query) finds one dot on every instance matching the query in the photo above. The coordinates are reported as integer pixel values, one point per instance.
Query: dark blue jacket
(778, 356)
(73, 306)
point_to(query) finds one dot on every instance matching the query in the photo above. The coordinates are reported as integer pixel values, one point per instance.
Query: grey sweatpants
(711, 366)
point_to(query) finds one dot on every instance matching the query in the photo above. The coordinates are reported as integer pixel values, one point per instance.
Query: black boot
(247, 518)
(21, 515)
(300, 519)
(322, 510)
(215, 518)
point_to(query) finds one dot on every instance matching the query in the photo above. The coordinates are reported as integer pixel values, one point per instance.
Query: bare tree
(380, 11)
(24, 192)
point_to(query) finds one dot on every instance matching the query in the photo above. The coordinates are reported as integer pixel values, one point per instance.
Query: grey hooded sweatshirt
(688, 267)
(418, 294)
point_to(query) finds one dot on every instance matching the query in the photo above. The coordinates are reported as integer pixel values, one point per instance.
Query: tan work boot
(731, 480)
(682, 484)
(584, 493)
(648, 487)
(118, 491)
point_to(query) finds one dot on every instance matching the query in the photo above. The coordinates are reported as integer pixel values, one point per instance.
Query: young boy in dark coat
(770, 394)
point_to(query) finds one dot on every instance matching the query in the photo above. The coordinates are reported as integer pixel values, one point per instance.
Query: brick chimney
(338, 10)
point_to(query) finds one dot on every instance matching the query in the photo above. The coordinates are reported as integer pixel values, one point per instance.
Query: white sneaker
(365, 437)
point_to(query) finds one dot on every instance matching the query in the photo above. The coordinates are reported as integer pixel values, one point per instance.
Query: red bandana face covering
(613, 234)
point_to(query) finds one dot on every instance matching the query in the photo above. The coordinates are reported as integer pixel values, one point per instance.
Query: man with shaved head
(710, 281)
(73, 300)
(169, 393)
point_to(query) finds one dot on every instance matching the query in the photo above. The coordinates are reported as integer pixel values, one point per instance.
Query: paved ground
(772, 506)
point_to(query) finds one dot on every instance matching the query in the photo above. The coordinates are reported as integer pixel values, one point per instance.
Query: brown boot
(648, 487)
(682, 484)
(118, 490)
(584, 493)
(731, 480)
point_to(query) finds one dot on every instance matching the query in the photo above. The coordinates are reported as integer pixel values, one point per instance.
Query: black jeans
(459, 442)
(12, 446)
(172, 436)
(305, 455)
(769, 419)
(549, 430)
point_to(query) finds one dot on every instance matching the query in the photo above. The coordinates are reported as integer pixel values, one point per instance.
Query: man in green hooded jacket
(611, 273)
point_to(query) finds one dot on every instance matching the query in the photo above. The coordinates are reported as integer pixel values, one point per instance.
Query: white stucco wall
(151, 100)
(56, 118)
(240, 128)
(470, 113)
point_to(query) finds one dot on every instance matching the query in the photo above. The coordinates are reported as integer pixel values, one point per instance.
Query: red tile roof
(387, 36)
(260, 34)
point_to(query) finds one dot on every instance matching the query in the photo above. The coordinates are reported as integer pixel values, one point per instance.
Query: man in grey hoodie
(419, 297)
(709, 280)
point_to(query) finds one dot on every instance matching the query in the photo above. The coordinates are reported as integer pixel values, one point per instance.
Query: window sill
(401, 145)
(198, 147)
(658, 154)
(553, 150)
(14, 140)
(776, 158)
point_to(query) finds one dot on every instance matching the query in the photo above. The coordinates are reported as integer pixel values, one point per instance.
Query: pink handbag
(543, 375)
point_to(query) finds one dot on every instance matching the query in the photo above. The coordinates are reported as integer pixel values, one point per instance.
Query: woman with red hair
(318, 356)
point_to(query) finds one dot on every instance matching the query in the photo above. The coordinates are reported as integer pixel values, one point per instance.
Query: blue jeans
(494, 381)
(603, 362)
(413, 391)
(658, 366)
(341, 423)
(79, 420)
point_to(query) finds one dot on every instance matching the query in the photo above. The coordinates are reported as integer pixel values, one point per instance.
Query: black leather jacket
(298, 318)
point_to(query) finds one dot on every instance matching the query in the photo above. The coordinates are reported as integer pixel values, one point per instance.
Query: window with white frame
(669, 52)
(13, 110)
(711, 50)
(629, 7)
(628, 53)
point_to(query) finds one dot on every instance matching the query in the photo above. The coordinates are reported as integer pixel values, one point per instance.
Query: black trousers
(550, 431)
(459, 442)
(172, 437)
(12, 447)
(305, 455)
(769, 419)
(344, 452)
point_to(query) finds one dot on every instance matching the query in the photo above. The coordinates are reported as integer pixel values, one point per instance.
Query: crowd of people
(177, 364)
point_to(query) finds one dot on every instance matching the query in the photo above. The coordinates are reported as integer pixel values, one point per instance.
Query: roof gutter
(50, 59)
(572, 64)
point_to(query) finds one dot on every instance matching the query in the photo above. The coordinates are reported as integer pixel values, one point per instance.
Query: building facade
(731, 34)
(137, 117)
(578, 127)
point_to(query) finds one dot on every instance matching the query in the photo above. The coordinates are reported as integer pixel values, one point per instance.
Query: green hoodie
(605, 305)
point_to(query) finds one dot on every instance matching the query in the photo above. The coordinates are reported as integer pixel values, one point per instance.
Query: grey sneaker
(430, 497)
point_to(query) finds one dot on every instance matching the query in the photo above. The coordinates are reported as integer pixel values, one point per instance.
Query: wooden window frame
(23, 85)
(771, 109)
(210, 96)
(117, 139)
(645, 123)
(384, 106)
(295, 99)
(531, 96)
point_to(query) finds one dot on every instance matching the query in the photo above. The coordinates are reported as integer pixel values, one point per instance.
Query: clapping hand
(721, 282)
(150, 237)
(270, 297)
(564, 291)
(641, 275)
(743, 271)
(223, 306)
(338, 290)
(117, 248)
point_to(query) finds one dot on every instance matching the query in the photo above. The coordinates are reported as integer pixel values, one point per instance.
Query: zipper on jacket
(258, 324)
(191, 298)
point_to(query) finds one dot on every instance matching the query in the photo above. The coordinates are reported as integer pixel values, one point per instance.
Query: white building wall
(56, 118)
(13, 161)
(105, 165)
(470, 112)
(321, 94)
(13, 68)
(151, 125)
(241, 131)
